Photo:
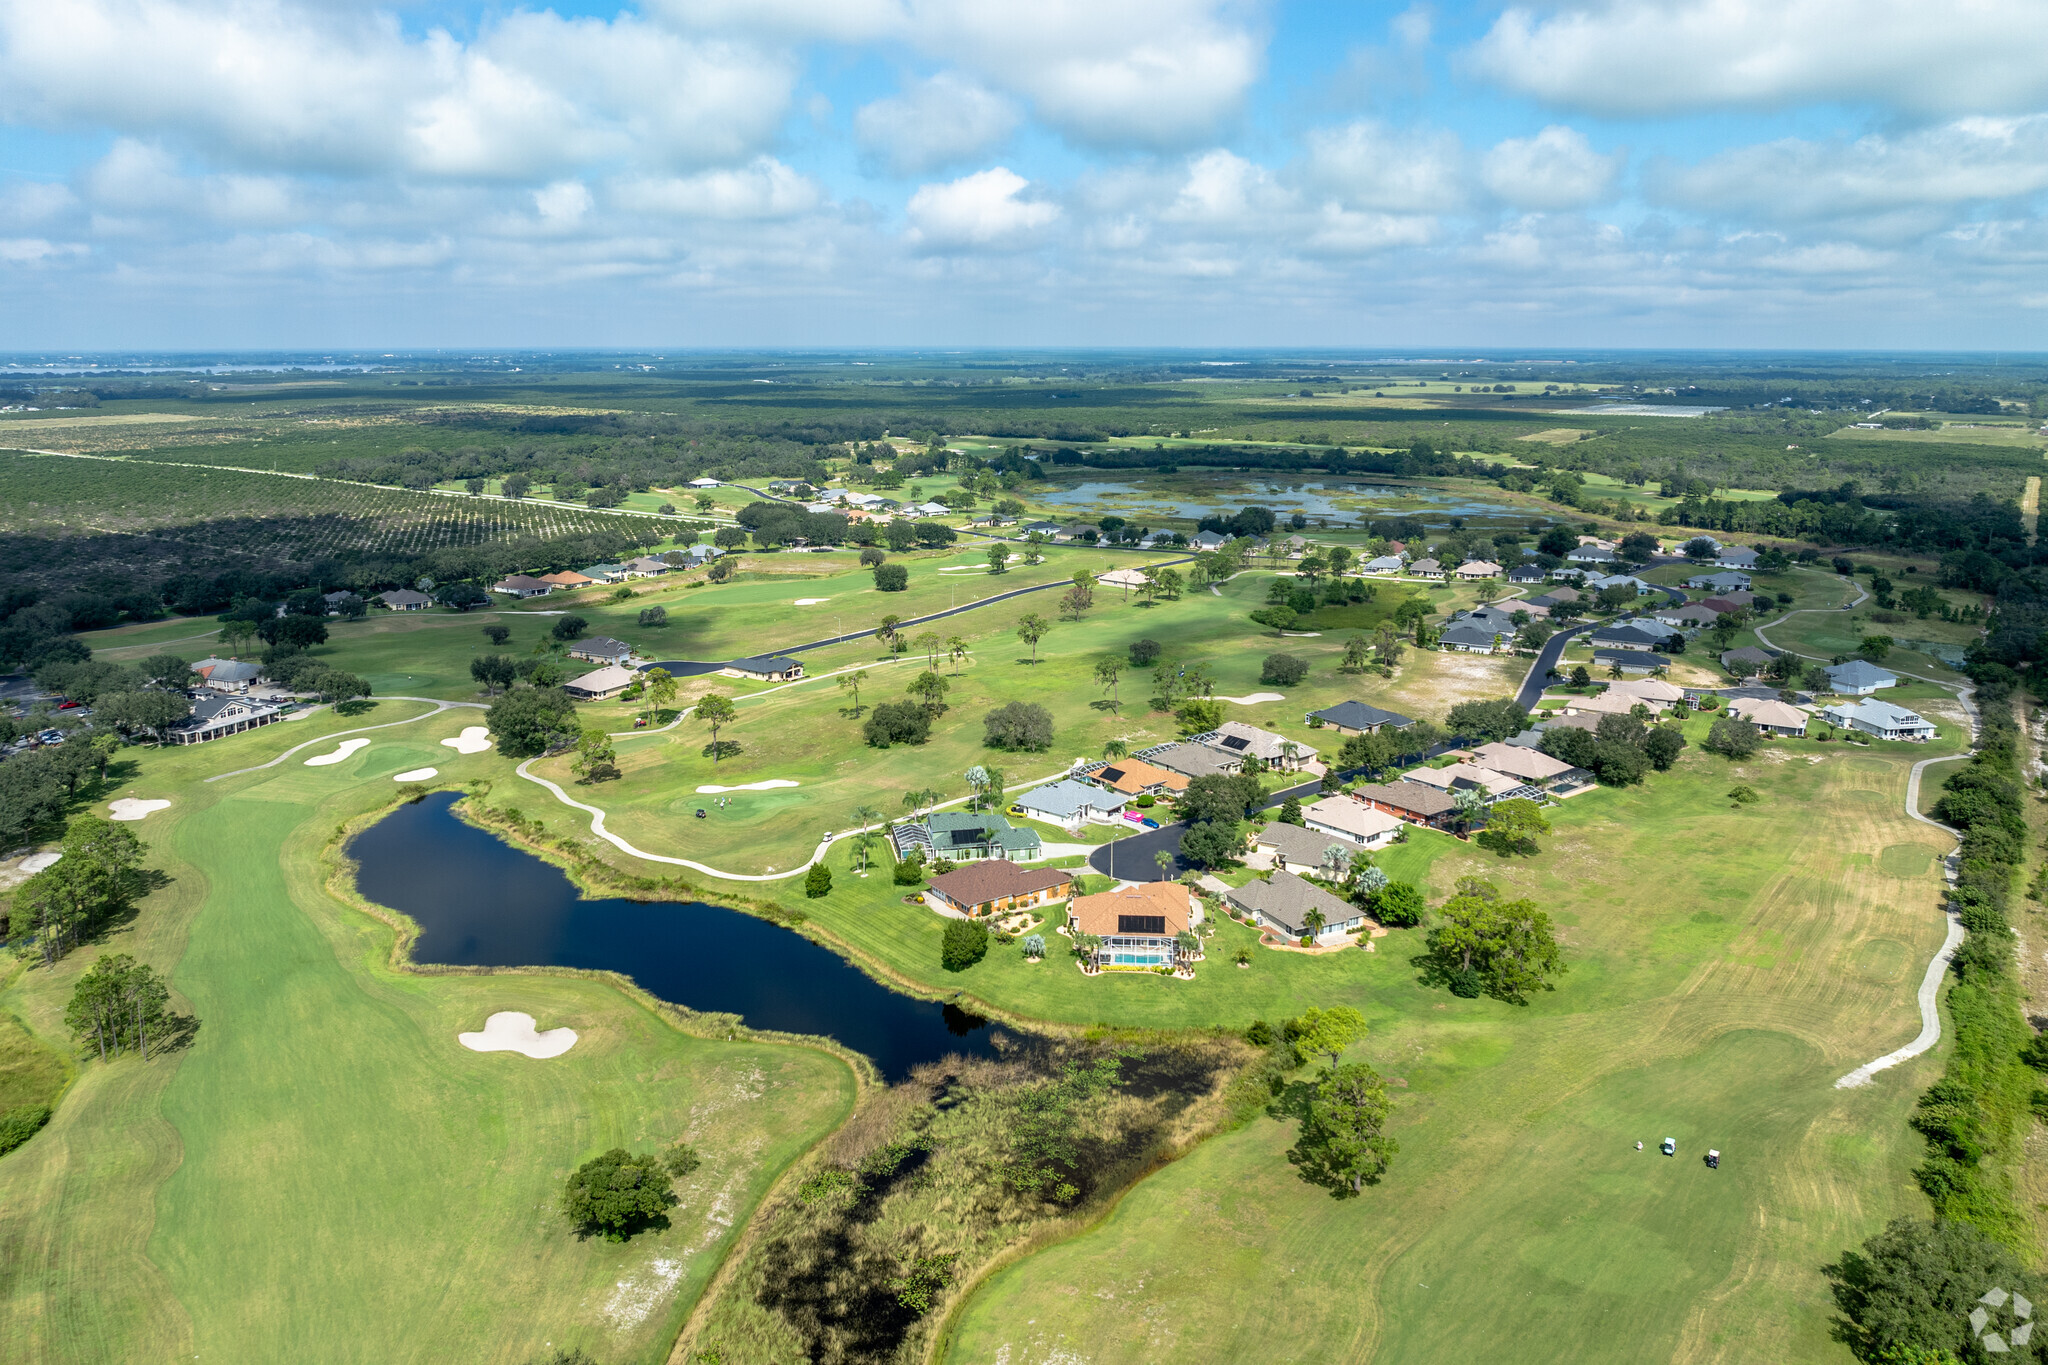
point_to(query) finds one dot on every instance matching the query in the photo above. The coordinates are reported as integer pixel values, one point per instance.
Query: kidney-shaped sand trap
(347, 747)
(474, 739)
(512, 1031)
(129, 808)
(769, 785)
(416, 775)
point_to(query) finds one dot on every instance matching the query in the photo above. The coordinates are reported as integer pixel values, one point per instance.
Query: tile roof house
(1191, 760)
(766, 668)
(405, 599)
(1854, 679)
(601, 649)
(1138, 924)
(1412, 801)
(1771, 716)
(1340, 817)
(1132, 776)
(1881, 719)
(1356, 718)
(512, 585)
(1235, 739)
(1284, 901)
(1070, 804)
(602, 684)
(995, 886)
(218, 717)
(1296, 849)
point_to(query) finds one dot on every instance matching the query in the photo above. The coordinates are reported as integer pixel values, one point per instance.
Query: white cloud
(1556, 169)
(1663, 56)
(140, 182)
(977, 210)
(1340, 231)
(1368, 165)
(765, 189)
(1224, 190)
(36, 250)
(933, 124)
(562, 204)
(31, 201)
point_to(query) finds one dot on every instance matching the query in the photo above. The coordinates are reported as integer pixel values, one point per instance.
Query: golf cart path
(438, 705)
(1930, 984)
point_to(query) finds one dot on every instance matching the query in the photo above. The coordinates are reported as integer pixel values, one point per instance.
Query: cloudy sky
(1823, 173)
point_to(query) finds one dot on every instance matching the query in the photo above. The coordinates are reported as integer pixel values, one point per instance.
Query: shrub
(1399, 905)
(870, 557)
(909, 871)
(1283, 669)
(891, 578)
(965, 944)
(618, 1193)
(654, 616)
(1146, 800)
(818, 881)
(19, 1125)
(1733, 738)
(897, 722)
(1034, 945)
(1144, 652)
(1260, 1034)
(1019, 725)
(1199, 717)
(570, 628)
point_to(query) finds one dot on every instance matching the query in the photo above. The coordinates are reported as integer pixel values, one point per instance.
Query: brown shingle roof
(1412, 797)
(1099, 914)
(982, 883)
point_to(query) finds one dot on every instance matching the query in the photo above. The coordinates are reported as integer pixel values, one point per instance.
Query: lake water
(481, 902)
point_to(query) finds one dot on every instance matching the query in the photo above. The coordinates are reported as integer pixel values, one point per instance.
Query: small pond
(481, 902)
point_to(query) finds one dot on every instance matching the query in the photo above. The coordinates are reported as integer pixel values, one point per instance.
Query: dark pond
(481, 902)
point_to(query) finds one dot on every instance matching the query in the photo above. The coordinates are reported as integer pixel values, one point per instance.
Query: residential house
(1354, 822)
(1414, 802)
(701, 554)
(602, 649)
(604, 573)
(1655, 691)
(1426, 568)
(1487, 618)
(1473, 569)
(1737, 597)
(1607, 703)
(1070, 804)
(1460, 638)
(1526, 573)
(1189, 760)
(1126, 579)
(1385, 564)
(1139, 925)
(1602, 582)
(1234, 739)
(968, 836)
(1881, 719)
(929, 509)
(515, 585)
(601, 685)
(706, 482)
(1724, 605)
(226, 675)
(334, 600)
(1134, 776)
(646, 566)
(1356, 718)
(866, 502)
(996, 887)
(1853, 679)
(566, 579)
(1284, 901)
(1472, 777)
(765, 668)
(1079, 530)
(1295, 849)
(1624, 635)
(1757, 659)
(786, 485)
(219, 717)
(1523, 764)
(1208, 541)
(1592, 554)
(1771, 716)
(1048, 529)
(1686, 616)
(1627, 660)
(1736, 557)
(1724, 581)
(405, 599)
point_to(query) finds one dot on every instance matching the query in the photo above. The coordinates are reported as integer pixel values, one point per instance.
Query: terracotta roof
(981, 883)
(1131, 775)
(1101, 914)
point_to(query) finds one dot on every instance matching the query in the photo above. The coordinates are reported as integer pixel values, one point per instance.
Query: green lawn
(326, 1174)
(1724, 971)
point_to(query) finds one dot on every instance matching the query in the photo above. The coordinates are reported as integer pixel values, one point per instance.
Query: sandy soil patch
(769, 785)
(130, 808)
(811, 601)
(303, 712)
(342, 750)
(36, 862)
(474, 739)
(512, 1031)
(416, 775)
(1254, 698)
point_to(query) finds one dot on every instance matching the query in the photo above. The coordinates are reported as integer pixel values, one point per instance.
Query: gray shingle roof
(1356, 715)
(1286, 899)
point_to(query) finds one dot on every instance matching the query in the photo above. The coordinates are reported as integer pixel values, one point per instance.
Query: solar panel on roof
(1141, 924)
(1236, 742)
(1112, 774)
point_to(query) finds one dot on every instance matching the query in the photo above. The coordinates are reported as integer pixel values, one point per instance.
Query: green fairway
(326, 1174)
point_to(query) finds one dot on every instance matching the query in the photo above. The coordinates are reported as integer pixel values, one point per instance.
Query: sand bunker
(769, 785)
(511, 1031)
(811, 601)
(1254, 698)
(474, 739)
(302, 712)
(128, 808)
(36, 862)
(966, 568)
(347, 747)
(416, 775)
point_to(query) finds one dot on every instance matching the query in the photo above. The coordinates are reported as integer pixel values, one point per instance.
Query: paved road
(1132, 859)
(1553, 650)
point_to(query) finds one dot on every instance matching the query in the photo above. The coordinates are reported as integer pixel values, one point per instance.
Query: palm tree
(956, 650)
(867, 815)
(1315, 920)
(1471, 805)
(1115, 750)
(977, 780)
(993, 788)
(1165, 861)
(1289, 751)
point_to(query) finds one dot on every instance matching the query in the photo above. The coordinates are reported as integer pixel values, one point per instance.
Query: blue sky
(1797, 173)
